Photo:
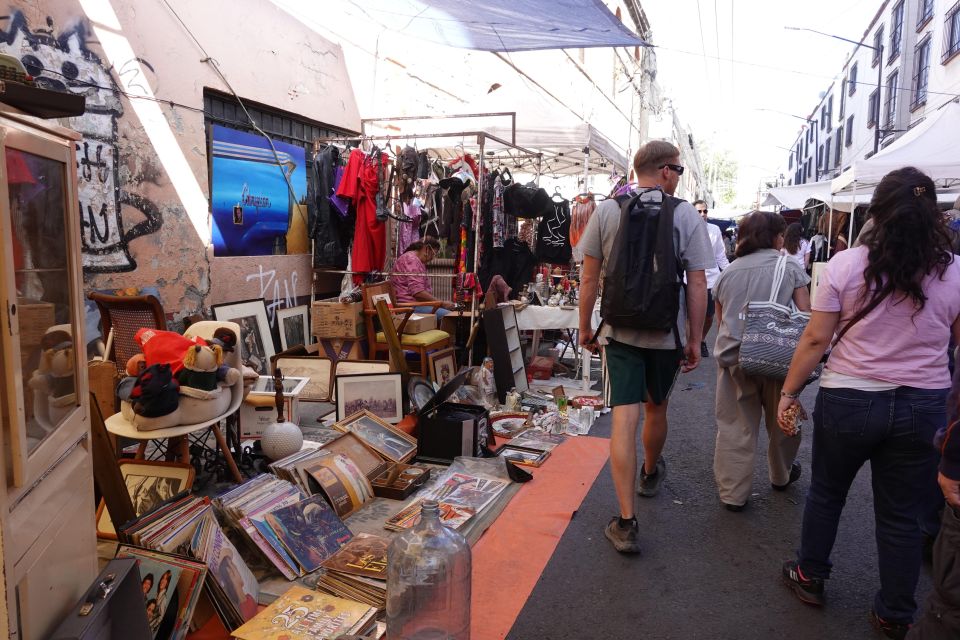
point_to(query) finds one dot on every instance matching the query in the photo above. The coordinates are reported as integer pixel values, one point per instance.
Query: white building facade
(912, 50)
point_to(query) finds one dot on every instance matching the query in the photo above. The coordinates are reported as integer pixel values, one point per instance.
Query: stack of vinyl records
(302, 614)
(334, 475)
(295, 533)
(358, 571)
(233, 588)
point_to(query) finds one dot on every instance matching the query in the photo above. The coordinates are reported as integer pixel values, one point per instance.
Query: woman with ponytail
(888, 308)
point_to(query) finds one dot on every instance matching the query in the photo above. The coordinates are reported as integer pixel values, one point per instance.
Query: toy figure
(201, 365)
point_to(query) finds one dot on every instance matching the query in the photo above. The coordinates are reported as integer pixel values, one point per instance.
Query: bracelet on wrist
(792, 396)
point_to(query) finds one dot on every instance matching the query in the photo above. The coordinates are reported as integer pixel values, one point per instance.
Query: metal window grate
(951, 33)
(921, 76)
(896, 30)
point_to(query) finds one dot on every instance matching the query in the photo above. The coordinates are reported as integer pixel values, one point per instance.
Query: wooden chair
(126, 315)
(421, 343)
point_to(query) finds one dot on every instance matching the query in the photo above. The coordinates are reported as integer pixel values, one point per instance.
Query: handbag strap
(778, 273)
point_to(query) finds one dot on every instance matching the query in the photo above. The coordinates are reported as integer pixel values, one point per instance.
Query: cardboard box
(259, 408)
(34, 320)
(420, 322)
(335, 319)
(541, 367)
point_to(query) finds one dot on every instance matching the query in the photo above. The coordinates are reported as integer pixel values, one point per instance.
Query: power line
(716, 34)
(703, 47)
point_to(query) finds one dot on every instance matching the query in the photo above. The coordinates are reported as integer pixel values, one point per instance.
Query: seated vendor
(413, 289)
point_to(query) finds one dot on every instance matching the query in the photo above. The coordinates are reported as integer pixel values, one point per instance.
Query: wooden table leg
(185, 449)
(141, 450)
(225, 449)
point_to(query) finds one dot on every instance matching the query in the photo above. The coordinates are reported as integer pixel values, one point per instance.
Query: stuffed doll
(201, 366)
(226, 338)
(156, 392)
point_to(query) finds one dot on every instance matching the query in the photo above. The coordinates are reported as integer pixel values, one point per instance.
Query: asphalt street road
(705, 573)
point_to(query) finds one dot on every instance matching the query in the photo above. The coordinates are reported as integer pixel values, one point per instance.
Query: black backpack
(643, 276)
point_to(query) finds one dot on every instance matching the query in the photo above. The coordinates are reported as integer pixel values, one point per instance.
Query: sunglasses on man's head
(673, 167)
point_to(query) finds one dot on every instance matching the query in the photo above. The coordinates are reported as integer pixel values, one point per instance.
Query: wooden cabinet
(503, 340)
(46, 499)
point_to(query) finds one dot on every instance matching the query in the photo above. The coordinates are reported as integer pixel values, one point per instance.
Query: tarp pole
(853, 212)
(830, 228)
(477, 217)
(586, 169)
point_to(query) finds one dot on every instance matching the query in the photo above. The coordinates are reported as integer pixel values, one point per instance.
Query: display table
(537, 319)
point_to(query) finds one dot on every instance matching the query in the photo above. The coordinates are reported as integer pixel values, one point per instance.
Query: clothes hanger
(557, 194)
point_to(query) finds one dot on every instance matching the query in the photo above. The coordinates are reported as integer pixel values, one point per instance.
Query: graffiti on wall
(277, 293)
(62, 61)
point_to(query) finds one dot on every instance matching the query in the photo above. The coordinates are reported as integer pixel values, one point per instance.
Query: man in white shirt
(720, 251)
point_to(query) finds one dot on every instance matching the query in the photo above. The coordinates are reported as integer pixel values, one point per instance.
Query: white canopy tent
(796, 196)
(933, 146)
(569, 147)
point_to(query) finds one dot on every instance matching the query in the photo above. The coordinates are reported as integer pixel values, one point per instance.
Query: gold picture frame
(149, 482)
(379, 435)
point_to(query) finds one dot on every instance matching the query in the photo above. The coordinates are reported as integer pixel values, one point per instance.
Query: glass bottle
(428, 581)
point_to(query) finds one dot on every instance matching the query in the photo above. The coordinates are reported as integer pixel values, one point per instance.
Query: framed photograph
(379, 393)
(256, 340)
(443, 365)
(523, 455)
(149, 483)
(357, 367)
(317, 371)
(293, 325)
(391, 443)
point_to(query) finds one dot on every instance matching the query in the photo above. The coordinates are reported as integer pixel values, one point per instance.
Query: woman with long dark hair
(892, 303)
(742, 399)
(795, 246)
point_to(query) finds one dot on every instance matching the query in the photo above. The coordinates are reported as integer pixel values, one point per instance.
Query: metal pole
(876, 127)
(586, 169)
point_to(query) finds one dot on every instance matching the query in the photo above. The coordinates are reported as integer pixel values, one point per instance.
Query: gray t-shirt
(748, 279)
(690, 241)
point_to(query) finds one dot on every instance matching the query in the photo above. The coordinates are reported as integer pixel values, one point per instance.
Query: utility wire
(703, 46)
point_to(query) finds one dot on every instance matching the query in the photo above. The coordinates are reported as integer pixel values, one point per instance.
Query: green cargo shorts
(638, 374)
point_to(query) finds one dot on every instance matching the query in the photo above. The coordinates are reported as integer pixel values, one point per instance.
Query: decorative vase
(282, 438)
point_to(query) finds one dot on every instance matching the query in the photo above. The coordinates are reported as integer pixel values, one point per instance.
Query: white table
(536, 319)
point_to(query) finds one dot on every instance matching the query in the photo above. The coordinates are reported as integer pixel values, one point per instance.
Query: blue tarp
(505, 25)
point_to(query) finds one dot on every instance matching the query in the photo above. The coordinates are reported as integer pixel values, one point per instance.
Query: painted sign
(251, 183)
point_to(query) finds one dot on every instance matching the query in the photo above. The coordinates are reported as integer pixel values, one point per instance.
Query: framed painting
(256, 340)
(149, 483)
(391, 443)
(379, 393)
(442, 365)
(293, 323)
(317, 370)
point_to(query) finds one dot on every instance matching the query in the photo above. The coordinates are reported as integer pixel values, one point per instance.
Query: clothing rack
(474, 139)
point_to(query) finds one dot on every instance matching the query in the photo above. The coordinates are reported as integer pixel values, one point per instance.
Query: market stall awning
(931, 146)
(503, 25)
(563, 147)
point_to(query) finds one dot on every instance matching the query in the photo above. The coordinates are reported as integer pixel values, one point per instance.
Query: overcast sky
(719, 99)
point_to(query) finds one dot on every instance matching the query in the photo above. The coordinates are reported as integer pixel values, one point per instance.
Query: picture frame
(380, 393)
(442, 365)
(355, 367)
(523, 455)
(149, 482)
(256, 340)
(317, 370)
(293, 324)
(385, 439)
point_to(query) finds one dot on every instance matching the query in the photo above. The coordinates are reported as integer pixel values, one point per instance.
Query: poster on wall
(254, 212)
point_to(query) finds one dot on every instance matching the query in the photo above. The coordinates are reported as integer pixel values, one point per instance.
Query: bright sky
(781, 70)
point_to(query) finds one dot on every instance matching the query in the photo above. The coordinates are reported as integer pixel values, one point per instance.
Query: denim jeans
(893, 430)
(440, 312)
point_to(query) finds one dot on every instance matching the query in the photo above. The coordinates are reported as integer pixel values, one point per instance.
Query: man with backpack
(644, 244)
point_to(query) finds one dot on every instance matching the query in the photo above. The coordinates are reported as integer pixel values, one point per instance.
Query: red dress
(360, 183)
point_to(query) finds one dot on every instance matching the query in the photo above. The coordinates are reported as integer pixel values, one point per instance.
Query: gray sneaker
(649, 485)
(624, 540)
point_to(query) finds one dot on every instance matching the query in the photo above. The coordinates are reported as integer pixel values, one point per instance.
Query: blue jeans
(440, 312)
(893, 430)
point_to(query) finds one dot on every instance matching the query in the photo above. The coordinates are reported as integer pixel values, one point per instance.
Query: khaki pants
(741, 399)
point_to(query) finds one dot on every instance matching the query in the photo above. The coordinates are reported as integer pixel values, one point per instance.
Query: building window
(890, 111)
(849, 139)
(873, 109)
(843, 98)
(852, 83)
(830, 114)
(951, 33)
(922, 57)
(790, 162)
(838, 153)
(826, 155)
(896, 30)
(924, 13)
(877, 45)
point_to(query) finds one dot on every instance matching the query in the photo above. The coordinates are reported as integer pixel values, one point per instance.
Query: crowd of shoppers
(882, 318)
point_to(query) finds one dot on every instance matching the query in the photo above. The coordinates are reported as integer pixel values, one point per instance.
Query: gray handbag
(771, 332)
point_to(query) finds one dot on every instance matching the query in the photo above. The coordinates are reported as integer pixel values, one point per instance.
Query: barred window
(890, 112)
(873, 111)
(852, 84)
(849, 139)
(924, 13)
(896, 30)
(951, 33)
(877, 45)
(920, 77)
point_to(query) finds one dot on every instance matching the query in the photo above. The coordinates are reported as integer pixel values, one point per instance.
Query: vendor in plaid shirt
(415, 289)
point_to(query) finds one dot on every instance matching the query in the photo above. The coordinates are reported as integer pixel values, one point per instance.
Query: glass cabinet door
(37, 193)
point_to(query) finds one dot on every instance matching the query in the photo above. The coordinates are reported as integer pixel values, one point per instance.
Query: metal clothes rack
(482, 140)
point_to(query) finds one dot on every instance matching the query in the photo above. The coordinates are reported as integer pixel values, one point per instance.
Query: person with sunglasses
(720, 252)
(642, 365)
